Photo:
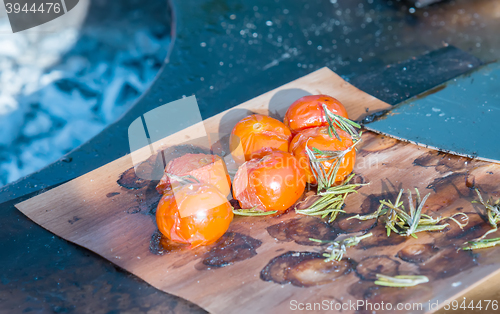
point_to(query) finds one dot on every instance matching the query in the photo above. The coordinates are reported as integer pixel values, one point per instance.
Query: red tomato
(258, 134)
(320, 139)
(204, 167)
(307, 112)
(196, 214)
(274, 182)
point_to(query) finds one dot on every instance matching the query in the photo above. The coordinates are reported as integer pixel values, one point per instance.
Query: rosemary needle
(253, 212)
(379, 212)
(481, 244)
(400, 281)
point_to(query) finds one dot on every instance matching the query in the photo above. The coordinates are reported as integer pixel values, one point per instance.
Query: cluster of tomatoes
(274, 169)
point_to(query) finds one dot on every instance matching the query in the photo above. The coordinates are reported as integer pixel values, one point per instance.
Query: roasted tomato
(258, 134)
(319, 138)
(307, 112)
(274, 182)
(195, 214)
(204, 167)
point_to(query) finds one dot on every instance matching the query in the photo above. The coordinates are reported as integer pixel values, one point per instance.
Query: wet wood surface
(270, 259)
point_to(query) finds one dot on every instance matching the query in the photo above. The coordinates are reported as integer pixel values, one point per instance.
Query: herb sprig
(481, 244)
(343, 123)
(404, 223)
(332, 196)
(331, 201)
(492, 212)
(324, 178)
(338, 248)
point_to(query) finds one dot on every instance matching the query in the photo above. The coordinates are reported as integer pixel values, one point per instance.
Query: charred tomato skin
(319, 138)
(257, 135)
(307, 112)
(273, 182)
(195, 214)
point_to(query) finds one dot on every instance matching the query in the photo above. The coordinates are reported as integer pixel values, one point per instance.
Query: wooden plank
(95, 212)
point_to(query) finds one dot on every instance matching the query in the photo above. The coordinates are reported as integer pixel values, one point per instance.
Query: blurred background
(61, 83)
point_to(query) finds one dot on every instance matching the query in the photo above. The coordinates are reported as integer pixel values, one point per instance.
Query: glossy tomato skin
(206, 168)
(320, 139)
(258, 134)
(307, 112)
(195, 214)
(273, 182)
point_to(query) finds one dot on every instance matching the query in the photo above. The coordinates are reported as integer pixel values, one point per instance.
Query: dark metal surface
(416, 75)
(217, 57)
(459, 116)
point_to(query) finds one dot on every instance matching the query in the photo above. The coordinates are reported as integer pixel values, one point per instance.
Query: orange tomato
(258, 134)
(307, 112)
(273, 182)
(204, 167)
(195, 214)
(320, 139)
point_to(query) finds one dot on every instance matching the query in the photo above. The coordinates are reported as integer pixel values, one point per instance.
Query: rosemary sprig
(327, 205)
(404, 223)
(400, 281)
(343, 123)
(392, 213)
(338, 248)
(481, 244)
(379, 212)
(492, 212)
(252, 212)
(326, 179)
(333, 197)
(331, 201)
